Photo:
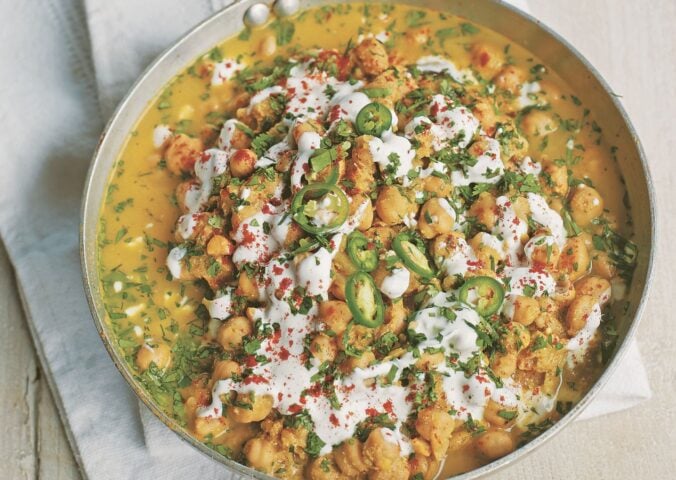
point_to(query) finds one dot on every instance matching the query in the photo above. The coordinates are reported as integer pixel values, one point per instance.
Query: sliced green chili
(364, 300)
(412, 256)
(322, 159)
(362, 252)
(484, 294)
(320, 208)
(373, 119)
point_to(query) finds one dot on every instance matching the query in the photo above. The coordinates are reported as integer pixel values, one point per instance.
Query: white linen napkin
(70, 63)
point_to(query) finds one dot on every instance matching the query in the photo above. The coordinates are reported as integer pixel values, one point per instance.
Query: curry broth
(140, 210)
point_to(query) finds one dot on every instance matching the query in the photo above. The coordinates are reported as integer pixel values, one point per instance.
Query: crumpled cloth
(65, 64)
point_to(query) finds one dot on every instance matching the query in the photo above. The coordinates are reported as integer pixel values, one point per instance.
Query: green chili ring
(373, 119)
(324, 158)
(332, 179)
(484, 294)
(339, 206)
(364, 258)
(414, 258)
(364, 300)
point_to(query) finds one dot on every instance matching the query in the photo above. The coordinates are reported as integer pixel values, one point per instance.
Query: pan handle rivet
(286, 8)
(256, 15)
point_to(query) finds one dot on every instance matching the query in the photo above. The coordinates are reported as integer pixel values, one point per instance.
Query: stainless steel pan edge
(495, 14)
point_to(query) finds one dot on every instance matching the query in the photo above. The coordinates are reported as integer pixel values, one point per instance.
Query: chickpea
(510, 78)
(337, 288)
(160, 355)
(436, 186)
(284, 161)
(247, 286)
(219, 246)
(521, 209)
(349, 458)
(232, 332)
(260, 454)
(492, 414)
(574, 259)
(238, 138)
(446, 245)
(514, 146)
(323, 348)
(335, 315)
(396, 81)
(260, 116)
(578, 313)
(397, 471)
(225, 369)
(485, 111)
(261, 405)
(322, 468)
(537, 123)
(350, 363)
(544, 253)
(308, 126)
(436, 425)
(182, 153)
(420, 465)
(383, 235)
(436, 217)
(421, 447)
(182, 190)
(293, 438)
(495, 444)
(381, 453)
(268, 46)
(555, 181)
(371, 56)
(359, 337)
(294, 233)
(564, 292)
(343, 263)
(361, 170)
(210, 426)
(602, 265)
(485, 210)
(526, 310)
(242, 163)
(487, 59)
(586, 204)
(395, 318)
(596, 287)
(487, 255)
(504, 364)
(392, 205)
(519, 337)
(428, 361)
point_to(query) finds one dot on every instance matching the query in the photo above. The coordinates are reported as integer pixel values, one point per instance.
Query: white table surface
(633, 44)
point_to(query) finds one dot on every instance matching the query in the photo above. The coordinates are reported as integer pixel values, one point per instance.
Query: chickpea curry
(366, 241)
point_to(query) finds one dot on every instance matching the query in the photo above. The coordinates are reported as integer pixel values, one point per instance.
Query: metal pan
(522, 29)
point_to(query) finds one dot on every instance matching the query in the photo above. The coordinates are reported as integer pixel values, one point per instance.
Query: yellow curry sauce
(427, 204)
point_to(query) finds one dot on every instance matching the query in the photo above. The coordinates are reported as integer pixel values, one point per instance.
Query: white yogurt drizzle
(225, 70)
(436, 64)
(487, 169)
(161, 133)
(395, 284)
(527, 93)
